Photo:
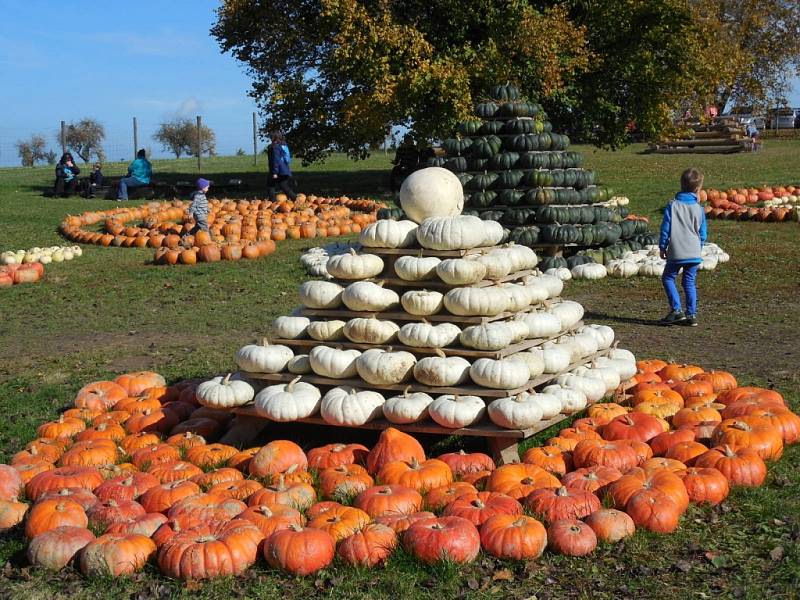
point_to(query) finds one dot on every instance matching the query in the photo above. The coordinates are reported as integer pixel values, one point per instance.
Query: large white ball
(431, 192)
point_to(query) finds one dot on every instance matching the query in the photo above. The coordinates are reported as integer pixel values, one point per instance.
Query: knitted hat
(202, 183)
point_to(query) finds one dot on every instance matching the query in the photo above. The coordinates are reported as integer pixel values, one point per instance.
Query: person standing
(198, 210)
(139, 173)
(279, 169)
(66, 176)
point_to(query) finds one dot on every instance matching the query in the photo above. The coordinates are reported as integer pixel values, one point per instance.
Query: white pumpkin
(460, 271)
(572, 400)
(587, 343)
(321, 294)
(519, 296)
(326, 331)
(290, 328)
(537, 291)
(416, 268)
(455, 412)
(441, 370)
(496, 264)
(563, 273)
(709, 263)
(519, 330)
(622, 268)
(387, 233)
(351, 407)
(652, 268)
(607, 375)
(625, 368)
(522, 258)
(422, 302)
(550, 404)
(380, 367)
(407, 408)
(451, 233)
(426, 335)
(589, 271)
(594, 389)
(622, 354)
(299, 365)
(541, 324)
(602, 333)
(431, 192)
(469, 301)
(263, 358)
(354, 266)
(533, 360)
(567, 344)
(568, 312)
(555, 359)
(288, 401)
(553, 285)
(502, 374)
(371, 331)
(333, 362)
(493, 233)
(515, 412)
(369, 297)
(488, 336)
(224, 392)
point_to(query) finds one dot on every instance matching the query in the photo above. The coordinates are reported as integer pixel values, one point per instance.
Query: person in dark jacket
(66, 176)
(279, 170)
(139, 173)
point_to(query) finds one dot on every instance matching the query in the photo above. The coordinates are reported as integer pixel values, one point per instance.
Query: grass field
(109, 311)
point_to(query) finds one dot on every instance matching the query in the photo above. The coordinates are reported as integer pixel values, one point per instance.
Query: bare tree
(179, 136)
(85, 138)
(32, 151)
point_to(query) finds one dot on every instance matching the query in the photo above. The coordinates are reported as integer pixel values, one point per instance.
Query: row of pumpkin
(206, 510)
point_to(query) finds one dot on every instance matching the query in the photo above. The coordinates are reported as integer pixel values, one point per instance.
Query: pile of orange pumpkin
(134, 473)
(237, 229)
(766, 204)
(24, 273)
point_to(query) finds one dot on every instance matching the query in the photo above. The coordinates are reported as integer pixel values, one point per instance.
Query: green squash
(552, 262)
(533, 160)
(482, 181)
(477, 164)
(517, 217)
(628, 229)
(561, 234)
(509, 197)
(504, 93)
(464, 178)
(518, 126)
(508, 179)
(482, 199)
(492, 215)
(557, 177)
(436, 161)
(471, 127)
(587, 236)
(579, 259)
(486, 146)
(552, 214)
(456, 146)
(491, 128)
(527, 236)
(547, 127)
(457, 164)
(486, 110)
(523, 143)
(503, 161)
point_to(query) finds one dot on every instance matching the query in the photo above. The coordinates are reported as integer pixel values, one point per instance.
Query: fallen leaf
(776, 553)
(684, 566)
(503, 575)
(472, 583)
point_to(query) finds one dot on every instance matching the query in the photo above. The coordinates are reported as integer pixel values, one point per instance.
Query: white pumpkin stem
(290, 385)
(439, 353)
(227, 379)
(405, 391)
(265, 341)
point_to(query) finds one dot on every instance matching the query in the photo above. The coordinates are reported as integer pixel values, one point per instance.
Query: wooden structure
(725, 136)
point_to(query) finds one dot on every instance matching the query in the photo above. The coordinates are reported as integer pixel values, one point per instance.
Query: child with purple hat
(199, 207)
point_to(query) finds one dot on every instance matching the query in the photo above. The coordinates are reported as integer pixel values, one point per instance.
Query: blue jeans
(124, 184)
(689, 289)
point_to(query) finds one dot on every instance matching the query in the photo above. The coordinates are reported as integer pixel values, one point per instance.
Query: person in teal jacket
(139, 173)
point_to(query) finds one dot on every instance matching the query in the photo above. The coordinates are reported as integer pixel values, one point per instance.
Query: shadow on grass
(622, 319)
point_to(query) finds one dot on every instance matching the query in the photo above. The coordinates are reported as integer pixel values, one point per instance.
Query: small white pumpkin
(441, 370)
(590, 271)
(502, 374)
(454, 412)
(422, 302)
(567, 344)
(522, 258)
(555, 359)
(553, 285)
(416, 268)
(351, 407)
(224, 392)
(572, 400)
(519, 330)
(407, 408)
(387, 233)
(263, 358)
(594, 389)
(537, 291)
(602, 333)
(493, 233)
(470, 301)
(563, 273)
(622, 268)
(586, 342)
(425, 335)
(333, 362)
(370, 330)
(369, 297)
(515, 412)
(451, 233)
(288, 401)
(488, 336)
(354, 266)
(290, 328)
(550, 404)
(431, 192)
(534, 361)
(652, 268)
(607, 375)
(623, 354)
(541, 324)
(625, 368)
(299, 365)
(460, 271)
(380, 367)
(568, 312)
(519, 296)
(321, 294)
(326, 331)
(496, 264)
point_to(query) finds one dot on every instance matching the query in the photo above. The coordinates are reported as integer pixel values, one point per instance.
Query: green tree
(85, 138)
(179, 136)
(32, 150)
(337, 74)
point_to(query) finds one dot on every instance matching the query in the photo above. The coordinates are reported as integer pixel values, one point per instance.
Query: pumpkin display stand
(502, 441)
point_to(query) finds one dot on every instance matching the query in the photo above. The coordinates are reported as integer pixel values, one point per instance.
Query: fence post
(135, 138)
(255, 142)
(199, 138)
(63, 137)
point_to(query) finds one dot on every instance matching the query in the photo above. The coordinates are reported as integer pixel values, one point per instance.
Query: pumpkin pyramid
(434, 322)
(519, 172)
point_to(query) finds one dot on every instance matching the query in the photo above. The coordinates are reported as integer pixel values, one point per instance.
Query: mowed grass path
(110, 311)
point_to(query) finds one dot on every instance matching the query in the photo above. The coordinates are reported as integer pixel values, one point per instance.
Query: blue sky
(113, 60)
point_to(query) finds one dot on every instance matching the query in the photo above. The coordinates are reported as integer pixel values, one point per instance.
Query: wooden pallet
(432, 284)
(522, 346)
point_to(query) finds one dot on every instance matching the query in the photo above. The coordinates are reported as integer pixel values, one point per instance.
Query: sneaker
(674, 317)
(690, 321)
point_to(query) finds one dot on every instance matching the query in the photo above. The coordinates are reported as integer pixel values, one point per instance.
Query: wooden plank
(434, 284)
(448, 351)
(700, 142)
(420, 251)
(707, 150)
(462, 390)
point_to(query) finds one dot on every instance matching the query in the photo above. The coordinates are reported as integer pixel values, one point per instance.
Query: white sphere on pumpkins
(431, 192)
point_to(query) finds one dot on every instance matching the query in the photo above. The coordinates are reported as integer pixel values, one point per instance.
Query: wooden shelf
(435, 284)
(420, 251)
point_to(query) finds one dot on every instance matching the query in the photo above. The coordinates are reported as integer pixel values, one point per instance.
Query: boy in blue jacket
(683, 233)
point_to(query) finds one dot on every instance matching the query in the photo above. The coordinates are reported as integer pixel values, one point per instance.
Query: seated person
(66, 176)
(139, 173)
(96, 178)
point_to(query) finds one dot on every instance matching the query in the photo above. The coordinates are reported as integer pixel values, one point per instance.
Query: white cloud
(188, 108)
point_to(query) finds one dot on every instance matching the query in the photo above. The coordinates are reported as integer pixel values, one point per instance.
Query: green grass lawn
(110, 311)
